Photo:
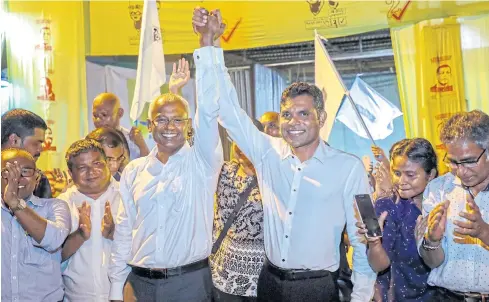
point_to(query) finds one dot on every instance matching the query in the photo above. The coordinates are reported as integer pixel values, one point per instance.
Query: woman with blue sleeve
(402, 274)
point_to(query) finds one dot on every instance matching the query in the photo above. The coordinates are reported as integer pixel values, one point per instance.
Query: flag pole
(347, 92)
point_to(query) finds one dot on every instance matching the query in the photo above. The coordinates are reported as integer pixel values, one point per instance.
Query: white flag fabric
(151, 60)
(377, 112)
(328, 80)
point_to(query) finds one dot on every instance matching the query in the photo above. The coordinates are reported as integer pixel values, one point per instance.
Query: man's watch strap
(20, 206)
(430, 246)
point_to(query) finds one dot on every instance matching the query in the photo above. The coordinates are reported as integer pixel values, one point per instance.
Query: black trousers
(444, 295)
(220, 296)
(194, 286)
(272, 288)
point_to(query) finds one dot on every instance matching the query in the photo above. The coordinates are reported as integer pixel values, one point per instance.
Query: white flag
(377, 112)
(151, 60)
(328, 80)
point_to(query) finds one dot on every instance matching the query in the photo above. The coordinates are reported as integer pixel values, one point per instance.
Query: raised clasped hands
(208, 25)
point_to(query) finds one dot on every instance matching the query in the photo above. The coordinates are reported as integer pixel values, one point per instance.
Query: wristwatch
(20, 206)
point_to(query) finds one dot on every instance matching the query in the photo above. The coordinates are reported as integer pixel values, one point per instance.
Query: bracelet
(426, 245)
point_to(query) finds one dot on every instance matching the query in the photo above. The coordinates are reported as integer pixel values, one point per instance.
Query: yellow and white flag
(151, 60)
(330, 83)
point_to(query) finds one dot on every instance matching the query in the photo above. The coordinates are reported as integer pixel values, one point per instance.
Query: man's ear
(322, 118)
(120, 112)
(14, 141)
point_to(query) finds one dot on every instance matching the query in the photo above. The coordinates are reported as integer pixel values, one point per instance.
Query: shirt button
(283, 260)
(295, 190)
(290, 213)
(299, 169)
(286, 236)
(198, 57)
(161, 227)
(14, 277)
(13, 256)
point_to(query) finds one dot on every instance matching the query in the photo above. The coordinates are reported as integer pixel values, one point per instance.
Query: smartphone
(368, 216)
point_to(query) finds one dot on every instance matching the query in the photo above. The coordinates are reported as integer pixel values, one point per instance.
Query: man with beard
(163, 233)
(26, 130)
(456, 242)
(307, 190)
(33, 230)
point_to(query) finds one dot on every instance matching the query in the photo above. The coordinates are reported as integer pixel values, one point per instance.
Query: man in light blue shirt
(33, 230)
(456, 242)
(307, 190)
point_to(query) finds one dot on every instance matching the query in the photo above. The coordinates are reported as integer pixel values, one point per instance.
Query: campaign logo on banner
(397, 8)
(334, 18)
(135, 11)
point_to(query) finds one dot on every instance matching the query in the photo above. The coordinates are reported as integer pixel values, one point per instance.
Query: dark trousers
(220, 296)
(444, 295)
(192, 286)
(272, 288)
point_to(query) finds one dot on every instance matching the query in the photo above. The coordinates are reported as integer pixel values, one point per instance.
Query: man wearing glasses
(115, 147)
(163, 233)
(456, 241)
(33, 230)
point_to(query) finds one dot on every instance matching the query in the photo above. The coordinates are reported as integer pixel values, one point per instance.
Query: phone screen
(367, 213)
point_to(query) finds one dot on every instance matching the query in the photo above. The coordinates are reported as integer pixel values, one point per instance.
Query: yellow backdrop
(114, 25)
(47, 69)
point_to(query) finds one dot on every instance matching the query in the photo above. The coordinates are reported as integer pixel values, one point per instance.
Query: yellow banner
(440, 80)
(46, 65)
(115, 25)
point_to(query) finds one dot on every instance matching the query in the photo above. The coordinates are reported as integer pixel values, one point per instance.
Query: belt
(468, 296)
(296, 274)
(165, 273)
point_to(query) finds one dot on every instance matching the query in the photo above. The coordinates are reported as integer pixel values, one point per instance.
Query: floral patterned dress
(237, 264)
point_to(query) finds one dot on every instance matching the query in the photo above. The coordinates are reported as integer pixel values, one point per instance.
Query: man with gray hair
(456, 242)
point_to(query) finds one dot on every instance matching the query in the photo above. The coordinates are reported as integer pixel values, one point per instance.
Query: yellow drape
(46, 65)
(429, 66)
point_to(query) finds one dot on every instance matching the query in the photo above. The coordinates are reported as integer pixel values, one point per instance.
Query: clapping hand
(437, 222)
(474, 226)
(108, 226)
(85, 224)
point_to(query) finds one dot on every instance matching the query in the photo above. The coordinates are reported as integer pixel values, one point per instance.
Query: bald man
(107, 112)
(270, 120)
(33, 230)
(163, 233)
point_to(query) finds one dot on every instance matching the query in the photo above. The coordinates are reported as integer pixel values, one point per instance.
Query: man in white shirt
(93, 200)
(163, 233)
(307, 189)
(456, 242)
(107, 112)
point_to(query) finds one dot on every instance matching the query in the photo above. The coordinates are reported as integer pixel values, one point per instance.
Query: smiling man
(456, 243)
(307, 190)
(93, 200)
(163, 233)
(26, 130)
(33, 230)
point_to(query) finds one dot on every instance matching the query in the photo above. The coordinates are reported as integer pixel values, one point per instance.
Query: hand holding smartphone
(368, 216)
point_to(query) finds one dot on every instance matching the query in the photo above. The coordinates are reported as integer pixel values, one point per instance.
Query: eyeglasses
(116, 160)
(465, 163)
(163, 121)
(24, 172)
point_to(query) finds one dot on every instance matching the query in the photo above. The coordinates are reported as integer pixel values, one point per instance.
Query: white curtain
(114, 79)
(269, 85)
